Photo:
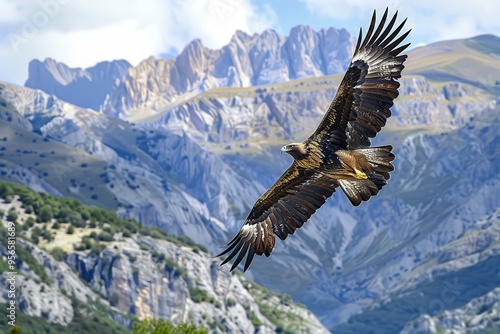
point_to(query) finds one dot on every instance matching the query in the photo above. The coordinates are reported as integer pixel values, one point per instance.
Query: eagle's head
(297, 150)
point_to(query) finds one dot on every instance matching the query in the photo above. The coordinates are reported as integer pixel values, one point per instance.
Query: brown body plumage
(338, 153)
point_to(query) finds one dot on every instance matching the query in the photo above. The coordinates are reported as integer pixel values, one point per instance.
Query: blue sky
(81, 33)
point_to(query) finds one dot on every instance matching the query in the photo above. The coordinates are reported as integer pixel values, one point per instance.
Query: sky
(81, 33)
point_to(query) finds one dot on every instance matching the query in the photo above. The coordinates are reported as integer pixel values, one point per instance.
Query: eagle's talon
(360, 174)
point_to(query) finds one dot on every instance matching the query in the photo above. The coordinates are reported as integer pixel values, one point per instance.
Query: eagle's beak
(283, 149)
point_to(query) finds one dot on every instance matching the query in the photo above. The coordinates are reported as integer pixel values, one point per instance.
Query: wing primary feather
(393, 35)
(240, 256)
(379, 28)
(387, 29)
(229, 247)
(399, 40)
(251, 253)
(235, 251)
(397, 51)
(360, 37)
(370, 30)
(233, 239)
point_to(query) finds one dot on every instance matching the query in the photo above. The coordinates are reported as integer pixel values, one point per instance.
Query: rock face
(145, 277)
(479, 315)
(40, 300)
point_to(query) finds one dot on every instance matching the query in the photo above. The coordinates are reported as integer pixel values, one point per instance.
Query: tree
(45, 213)
(12, 215)
(58, 253)
(15, 330)
(160, 326)
(35, 234)
(70, 229)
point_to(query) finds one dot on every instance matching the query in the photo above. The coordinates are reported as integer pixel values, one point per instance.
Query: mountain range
(188, 144)
(117, 89)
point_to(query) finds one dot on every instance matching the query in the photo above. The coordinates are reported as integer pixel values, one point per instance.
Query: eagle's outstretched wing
(361, 106)
(285, 207)
(358, 111)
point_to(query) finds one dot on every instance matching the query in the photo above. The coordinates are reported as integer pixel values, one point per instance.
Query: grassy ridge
(72, 172)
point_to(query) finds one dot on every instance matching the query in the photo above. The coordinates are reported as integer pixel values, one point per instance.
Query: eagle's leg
(355, 164)
(362, 188)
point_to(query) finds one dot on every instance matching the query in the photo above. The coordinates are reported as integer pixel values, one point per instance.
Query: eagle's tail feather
(380, 159)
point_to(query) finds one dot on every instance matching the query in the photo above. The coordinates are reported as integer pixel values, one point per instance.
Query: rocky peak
(242, 36)
(302, 47)
(60, 72)
(86, 88)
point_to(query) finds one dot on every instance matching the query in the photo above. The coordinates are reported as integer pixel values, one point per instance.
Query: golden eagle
(338, 153)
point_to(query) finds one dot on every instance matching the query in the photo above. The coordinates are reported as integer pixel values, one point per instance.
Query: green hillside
(64, 226)
(71, 172)
(61, 226)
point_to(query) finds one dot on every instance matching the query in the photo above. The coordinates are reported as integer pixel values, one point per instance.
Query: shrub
(7, 198)
(70, 229)
(15, 330)
(113, 299)
(96, 249)
(178, 270)
(160, 326)
(87, 243)
(58, 253)
(12, 215)
(135, 274)
(80, 247)
(105, 236)
(35, 234)
(198, 295)
(230, 302)
(45, 213)
(46, 234)
(30, 222)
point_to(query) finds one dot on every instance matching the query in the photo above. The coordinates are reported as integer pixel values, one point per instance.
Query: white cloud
(8, 14)
(430, 20)
(81, 33)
